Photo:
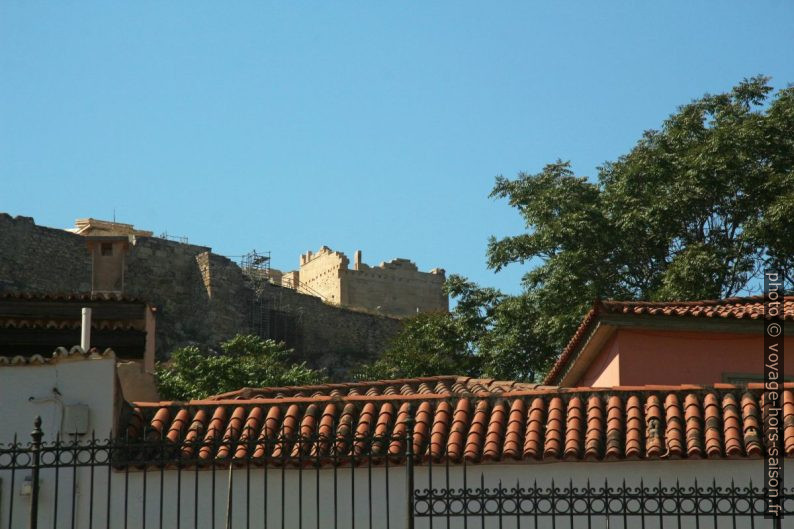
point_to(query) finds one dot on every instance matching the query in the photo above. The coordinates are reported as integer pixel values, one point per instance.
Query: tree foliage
(696, 210)
(244, 361)
(482, 336)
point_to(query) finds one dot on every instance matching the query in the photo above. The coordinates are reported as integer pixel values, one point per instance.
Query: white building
(493, 431)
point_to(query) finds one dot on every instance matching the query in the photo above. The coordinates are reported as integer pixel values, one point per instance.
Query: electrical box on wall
(75, 419)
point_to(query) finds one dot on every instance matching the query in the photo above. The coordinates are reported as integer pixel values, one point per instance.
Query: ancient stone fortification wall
(166, 273)
(346, 337)
(395, 288)
(319, 274)
(41, 259)
(398, 287)
(200, 297)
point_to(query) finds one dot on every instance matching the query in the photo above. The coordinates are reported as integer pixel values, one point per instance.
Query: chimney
(357, 260)
(85, 330)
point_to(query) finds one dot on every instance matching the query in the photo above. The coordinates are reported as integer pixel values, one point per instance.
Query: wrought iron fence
(338, 480)
(603, 506)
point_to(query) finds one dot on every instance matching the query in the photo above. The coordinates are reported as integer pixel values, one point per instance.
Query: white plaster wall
(300, 488)
(92, 382)
(27, 391)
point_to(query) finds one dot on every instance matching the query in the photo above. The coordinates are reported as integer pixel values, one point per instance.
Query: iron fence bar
(230, 496)
(642, 503)
(317, 463)
(92, 451)
(446, 486)
(195, 488)
(161, 456)
(33, 521)
(300, 481)
(351, 447)
(75, 452)
(127, 490)
(249, 453)
(465, 491)
(482, 502)
(409, 469)
(428, 451)
(57, 461)
(109, 484)
(179, 489)
(386, 472)
(213, 446)
(144, 485)
(568, 505)
(264, 484)
(283, 463)
(13, 476)
(335, 463)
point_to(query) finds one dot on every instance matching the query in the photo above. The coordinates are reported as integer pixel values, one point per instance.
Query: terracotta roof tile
(554, 429)
(674, 431)
(533, 443)
(595, 427)
(61, 353)
(438, 385)
(441, 423)
(693, 420)
(10, 322)
(634, 427)
(584, 424)
(495, 434)
(574, 428)
(751, 425)
(731, 422)
(69, 296)
(476, 437)
(739, 308)
(751, 308)
(615, 427)
(713, 435)
(788, 422)
(515, 430)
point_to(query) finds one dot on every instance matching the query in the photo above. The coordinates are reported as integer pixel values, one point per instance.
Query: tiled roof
(75, 296)
(739, 308)
(578, 424)
(69, 324)
(61, 353)
(438, 385)
(730, 308)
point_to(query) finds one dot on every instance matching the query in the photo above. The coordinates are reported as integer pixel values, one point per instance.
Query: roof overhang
(604, 325)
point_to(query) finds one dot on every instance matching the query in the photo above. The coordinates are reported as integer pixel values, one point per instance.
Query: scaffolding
(256, 264)
(176, 238)
(256, 270)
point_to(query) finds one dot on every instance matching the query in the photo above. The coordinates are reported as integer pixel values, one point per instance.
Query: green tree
(429, 344)
(696, 210)
(245, 360)
(482, 336)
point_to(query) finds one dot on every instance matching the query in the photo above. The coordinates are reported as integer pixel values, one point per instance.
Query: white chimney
(85, 331)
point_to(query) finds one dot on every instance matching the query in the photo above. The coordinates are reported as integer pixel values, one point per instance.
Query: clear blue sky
(283, 126)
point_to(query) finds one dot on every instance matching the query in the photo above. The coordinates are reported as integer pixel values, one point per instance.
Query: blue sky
(284, 126)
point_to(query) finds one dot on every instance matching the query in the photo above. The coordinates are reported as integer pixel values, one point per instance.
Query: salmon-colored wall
(674, 357)
(604, 372)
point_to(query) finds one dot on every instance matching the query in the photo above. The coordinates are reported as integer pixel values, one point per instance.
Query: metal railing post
(36, 434)
(409, 470)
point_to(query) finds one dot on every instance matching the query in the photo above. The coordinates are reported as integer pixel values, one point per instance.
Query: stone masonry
(396, 288)
(200, 297)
